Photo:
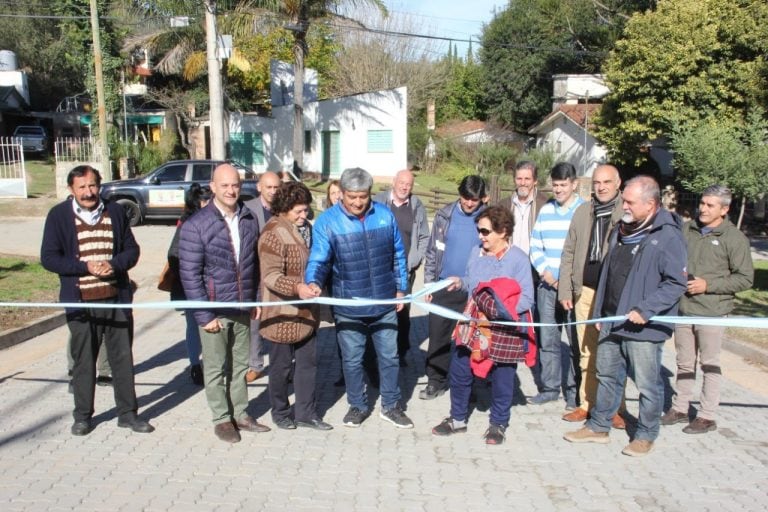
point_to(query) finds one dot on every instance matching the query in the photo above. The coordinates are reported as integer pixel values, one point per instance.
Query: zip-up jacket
(208, 268)
(363, 257)
(723, 259)
(419, 231)
(655, 283)
(433, 263)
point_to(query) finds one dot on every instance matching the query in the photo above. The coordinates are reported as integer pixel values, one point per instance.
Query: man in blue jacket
(357, 244)
(89, 244)
(643, 276)
(218, 263)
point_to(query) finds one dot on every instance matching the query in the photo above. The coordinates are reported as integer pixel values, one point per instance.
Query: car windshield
(31, 130)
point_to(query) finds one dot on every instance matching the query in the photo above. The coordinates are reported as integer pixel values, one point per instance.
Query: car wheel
(132, 211)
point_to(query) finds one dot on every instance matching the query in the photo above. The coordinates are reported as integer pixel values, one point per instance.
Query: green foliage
(418, 138)
(456, 159)
(152, 155)
(461, 98)
(723, 151)
(683, 62)
(530, 40)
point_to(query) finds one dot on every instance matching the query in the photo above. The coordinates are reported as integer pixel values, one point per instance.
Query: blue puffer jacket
(207, 261)
(364, 259)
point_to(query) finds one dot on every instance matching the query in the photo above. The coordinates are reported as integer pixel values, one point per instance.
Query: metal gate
(13, 175)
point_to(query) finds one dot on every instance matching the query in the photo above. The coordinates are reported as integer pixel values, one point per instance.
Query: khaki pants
(588, 335)
(704, 342)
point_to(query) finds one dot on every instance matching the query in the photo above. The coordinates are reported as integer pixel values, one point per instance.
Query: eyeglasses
(484, 231)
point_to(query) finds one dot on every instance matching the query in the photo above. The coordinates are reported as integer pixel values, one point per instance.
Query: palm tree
(299, 14)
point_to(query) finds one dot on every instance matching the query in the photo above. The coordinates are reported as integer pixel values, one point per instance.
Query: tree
(300, 14)
(726, 152)
(530, 40)
(462, 96)
(686, 61)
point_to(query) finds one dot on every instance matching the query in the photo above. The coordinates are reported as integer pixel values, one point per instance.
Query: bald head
(225, 185)
(402, 185)
(605, 183)
(268, 184)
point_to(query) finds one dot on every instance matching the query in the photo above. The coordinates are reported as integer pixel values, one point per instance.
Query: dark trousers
(88, 327)
(502, 379)
(440, 340)
(404, 322)
(300, 360)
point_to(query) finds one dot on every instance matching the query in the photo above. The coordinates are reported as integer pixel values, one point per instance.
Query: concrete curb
(29, 331)
(747, 351)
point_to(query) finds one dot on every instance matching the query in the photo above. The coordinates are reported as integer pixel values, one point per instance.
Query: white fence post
(13, 173)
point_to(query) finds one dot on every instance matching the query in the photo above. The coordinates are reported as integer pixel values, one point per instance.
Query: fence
(72, 151)
(13, 173)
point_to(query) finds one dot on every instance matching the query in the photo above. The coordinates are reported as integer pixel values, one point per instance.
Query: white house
(366, 130)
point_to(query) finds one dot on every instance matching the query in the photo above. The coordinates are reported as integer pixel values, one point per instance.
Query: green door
(247, 148)
(331, 154)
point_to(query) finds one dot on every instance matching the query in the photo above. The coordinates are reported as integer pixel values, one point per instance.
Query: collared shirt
(396, 201)
(233, 225)
(90, 217)
(522, 212)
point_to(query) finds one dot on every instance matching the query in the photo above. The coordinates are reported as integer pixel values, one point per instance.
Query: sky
(462, 19)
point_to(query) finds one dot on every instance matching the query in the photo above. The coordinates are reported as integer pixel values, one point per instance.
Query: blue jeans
(352, 334)
(555, 360)
(618, 357)
(193, 338)
(502, 379)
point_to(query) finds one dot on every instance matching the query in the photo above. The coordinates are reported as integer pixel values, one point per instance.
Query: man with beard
(643, 276)
(525, 203)
(583, 254)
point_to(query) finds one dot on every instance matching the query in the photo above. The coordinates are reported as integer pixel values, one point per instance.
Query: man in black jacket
(90, 245)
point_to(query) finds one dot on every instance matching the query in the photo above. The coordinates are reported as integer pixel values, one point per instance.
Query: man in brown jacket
(525, 203)
(582, 256)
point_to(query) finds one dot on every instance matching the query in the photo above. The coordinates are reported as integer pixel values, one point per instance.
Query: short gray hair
(356, 180)
(649, 188)
(720, 191)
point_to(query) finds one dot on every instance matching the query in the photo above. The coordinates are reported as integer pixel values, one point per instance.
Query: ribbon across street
(416, 299)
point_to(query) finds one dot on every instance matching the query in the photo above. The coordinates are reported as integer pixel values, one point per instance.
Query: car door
(165, 190)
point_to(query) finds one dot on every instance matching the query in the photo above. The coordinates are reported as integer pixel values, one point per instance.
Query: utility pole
(100, 96)
(216, 113)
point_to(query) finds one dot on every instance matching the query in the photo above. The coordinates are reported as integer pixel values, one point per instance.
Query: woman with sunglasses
(493, 258)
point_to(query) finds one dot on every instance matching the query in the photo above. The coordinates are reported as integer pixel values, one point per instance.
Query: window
(307, 141)
(380, 141)
(202, 172)
(172, 173)
(247, 148)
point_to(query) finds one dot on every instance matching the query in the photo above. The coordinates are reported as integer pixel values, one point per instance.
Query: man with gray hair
(719, 266)
(357, 244)
(642, 279)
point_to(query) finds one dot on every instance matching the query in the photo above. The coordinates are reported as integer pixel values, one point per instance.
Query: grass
(41, 192)
(41, 179)
(24, 280)
(753, 303)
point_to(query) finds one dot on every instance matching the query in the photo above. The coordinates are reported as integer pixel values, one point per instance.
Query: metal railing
(76, 149)
(13, 173)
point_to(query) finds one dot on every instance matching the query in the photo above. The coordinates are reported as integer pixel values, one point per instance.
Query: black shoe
(285, 424)
(316, 424)
(354, 417)
(431, 392)
(396, 416)
(136, 424)
(494, 434)
(446, 428)
(81, 428)
(103, 380)
(196, 374)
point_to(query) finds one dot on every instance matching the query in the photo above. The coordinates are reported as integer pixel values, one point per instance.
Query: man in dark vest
(90, 245)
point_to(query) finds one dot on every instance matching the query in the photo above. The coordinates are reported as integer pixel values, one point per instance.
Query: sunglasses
(484, 231)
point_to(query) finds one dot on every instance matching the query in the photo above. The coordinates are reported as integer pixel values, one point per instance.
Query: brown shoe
(227, 432)
(638, 448)
(585, 435)
(618, 422)
(700, 426)
(252, 375)
(576, 415)
(673, 417)
(251, 425)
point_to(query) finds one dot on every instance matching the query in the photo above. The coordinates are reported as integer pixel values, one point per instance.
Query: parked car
(160, 194)
(33, 138)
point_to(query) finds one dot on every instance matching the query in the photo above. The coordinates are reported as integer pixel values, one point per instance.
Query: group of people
(618, 257)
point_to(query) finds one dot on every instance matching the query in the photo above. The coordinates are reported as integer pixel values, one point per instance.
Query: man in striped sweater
(547, 241)
(89, 244)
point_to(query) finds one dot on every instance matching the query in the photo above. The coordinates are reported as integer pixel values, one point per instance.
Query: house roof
(6, 92)
(576, 113)
(460, 128)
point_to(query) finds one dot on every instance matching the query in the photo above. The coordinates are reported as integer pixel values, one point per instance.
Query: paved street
(182, 466)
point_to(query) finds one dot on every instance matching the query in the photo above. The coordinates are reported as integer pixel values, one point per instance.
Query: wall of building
(370, 130)
(566, 139)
